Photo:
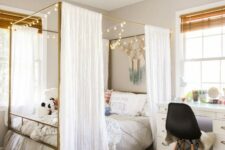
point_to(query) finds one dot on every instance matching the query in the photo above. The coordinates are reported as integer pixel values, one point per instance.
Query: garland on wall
(134, 47)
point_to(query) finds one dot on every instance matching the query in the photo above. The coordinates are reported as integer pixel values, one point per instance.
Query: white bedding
(15, 141)
(37, 131)
(124, 133)
(135, 132)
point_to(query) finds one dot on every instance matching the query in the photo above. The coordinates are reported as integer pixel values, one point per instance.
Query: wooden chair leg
(175, 148)
(183, 145)
(177, 145)
(192, 147)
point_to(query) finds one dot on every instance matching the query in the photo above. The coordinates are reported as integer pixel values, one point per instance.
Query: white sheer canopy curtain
(82, 120)
(158, 69)
(26, 73)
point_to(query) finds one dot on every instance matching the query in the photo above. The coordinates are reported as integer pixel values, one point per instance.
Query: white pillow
(143, 102)
(127, 103)
(146, 109)
(50, 93)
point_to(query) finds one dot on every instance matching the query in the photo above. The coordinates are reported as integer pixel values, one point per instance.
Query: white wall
(159, 13)
(119, 69)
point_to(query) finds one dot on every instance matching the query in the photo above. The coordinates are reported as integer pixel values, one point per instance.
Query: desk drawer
(220, 116)
(163, 109)
(161, 124)
(204, 113)
(220, 142)
(219, 126)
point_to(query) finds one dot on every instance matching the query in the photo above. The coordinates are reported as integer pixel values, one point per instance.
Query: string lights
(124, 44)
(51, 36)
(33, 23)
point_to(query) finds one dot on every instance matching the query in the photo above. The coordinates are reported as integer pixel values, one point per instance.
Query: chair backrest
(181, 122)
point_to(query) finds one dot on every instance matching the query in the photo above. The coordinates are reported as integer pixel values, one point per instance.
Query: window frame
(44, 61)
(178, 55)
(4, 60)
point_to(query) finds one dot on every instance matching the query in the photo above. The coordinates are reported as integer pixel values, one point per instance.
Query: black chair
(182, 124)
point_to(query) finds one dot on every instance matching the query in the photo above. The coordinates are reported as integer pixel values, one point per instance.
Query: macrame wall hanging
(134, 48)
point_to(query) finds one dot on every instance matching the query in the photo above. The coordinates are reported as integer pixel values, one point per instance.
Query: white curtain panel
(158, 69)
(82, 120)
(26, 73)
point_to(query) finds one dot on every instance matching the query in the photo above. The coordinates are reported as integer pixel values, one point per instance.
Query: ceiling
(35, 5)
(107, 4)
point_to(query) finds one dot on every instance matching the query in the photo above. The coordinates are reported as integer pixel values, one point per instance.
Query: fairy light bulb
(124, 23)
(49, 12)
(115, 28)
(45, 15)
(136, 39)
(122, 30)
(108, 30)
(56, 9)
(57, 5)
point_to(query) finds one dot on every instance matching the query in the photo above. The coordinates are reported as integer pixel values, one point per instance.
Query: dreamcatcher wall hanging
(134, 48)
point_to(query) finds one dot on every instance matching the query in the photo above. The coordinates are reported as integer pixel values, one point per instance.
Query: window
(6, 19)
(4, 65)
(204, 50)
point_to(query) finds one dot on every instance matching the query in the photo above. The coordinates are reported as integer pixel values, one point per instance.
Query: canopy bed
(77, 120)
(34, 75)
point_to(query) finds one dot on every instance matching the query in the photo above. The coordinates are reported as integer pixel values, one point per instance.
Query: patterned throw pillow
(108, 94)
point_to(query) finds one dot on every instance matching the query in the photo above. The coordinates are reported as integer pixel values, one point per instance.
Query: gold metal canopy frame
(59, 75)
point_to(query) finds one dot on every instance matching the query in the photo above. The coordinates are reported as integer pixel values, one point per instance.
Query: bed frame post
(59, 69)
(10, 72)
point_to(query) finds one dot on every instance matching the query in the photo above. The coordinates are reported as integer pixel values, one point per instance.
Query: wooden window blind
(7, 18)
(203, 19)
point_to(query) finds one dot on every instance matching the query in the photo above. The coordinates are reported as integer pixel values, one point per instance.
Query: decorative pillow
(127, 103)
(107, 110)
(108, 94)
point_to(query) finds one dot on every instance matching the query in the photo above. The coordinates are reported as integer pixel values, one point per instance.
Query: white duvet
(36, 131)
(124, 133)
(135, 132)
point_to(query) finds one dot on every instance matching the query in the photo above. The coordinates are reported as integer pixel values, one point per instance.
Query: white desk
(212, 111)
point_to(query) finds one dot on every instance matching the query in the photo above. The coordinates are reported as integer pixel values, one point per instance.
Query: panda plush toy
(46, 108)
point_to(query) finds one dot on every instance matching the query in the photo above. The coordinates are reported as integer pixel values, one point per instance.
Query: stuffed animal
(46, 108)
